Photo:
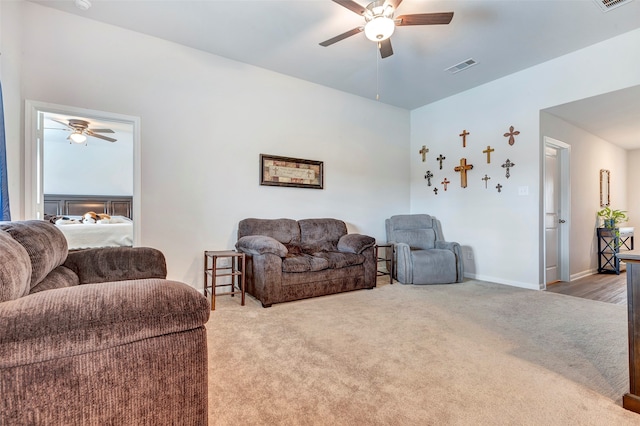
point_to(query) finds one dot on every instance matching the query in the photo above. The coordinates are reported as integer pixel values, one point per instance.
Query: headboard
(77, 205)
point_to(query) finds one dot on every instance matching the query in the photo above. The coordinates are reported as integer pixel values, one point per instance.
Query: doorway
(557, 210)
(38, 119)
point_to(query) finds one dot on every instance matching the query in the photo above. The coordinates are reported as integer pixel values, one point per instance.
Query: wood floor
(610, 288)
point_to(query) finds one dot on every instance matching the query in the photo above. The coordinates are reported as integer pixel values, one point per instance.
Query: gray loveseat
(96, 336)
(290, 260)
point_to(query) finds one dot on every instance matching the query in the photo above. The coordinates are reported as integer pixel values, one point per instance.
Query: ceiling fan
(81, 130)
(380, 22)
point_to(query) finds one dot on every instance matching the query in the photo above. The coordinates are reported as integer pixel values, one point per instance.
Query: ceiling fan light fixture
(77, 137)
(379, 28)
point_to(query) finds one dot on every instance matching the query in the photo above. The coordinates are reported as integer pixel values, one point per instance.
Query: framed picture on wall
(292, 172)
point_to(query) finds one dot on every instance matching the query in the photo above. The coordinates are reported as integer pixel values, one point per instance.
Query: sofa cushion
(261, 244)
(321, 234)
(304, 263)
(60, 277)
(284, 230)
(337, 260)
(15, 269)
(45, 244)
(417, 239)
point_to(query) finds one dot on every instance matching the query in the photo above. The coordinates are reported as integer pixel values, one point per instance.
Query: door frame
(34, 134)
(564, 160)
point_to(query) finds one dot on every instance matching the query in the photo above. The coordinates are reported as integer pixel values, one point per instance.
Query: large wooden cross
(462, 168)
(424, 151)
(488, 151)
(464, 135)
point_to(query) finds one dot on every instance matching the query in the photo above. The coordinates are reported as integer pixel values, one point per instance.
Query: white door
(551, 214)
(557, 210)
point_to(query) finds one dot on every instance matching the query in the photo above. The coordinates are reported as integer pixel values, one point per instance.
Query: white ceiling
(503, 36)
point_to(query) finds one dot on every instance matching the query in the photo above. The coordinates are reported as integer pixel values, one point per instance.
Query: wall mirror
(604, 187)
(101, 173)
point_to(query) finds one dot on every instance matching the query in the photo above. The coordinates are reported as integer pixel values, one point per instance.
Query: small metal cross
(486, 179)
(440, 158)
(445, 182)
(428, 177)
(507, 165)
(424, 151)
(499, 187)
(464, 135)
(435, 190)
(488, 151)
(510, 134)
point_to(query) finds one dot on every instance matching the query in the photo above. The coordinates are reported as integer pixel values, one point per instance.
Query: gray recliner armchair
(421, 254)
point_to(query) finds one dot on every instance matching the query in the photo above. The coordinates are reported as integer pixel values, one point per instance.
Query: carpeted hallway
(474, 353)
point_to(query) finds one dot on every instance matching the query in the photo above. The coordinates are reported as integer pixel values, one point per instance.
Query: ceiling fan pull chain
(377, 73)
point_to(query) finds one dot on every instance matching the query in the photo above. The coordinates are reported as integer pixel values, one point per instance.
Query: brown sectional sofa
(289, 260)
(96, 336)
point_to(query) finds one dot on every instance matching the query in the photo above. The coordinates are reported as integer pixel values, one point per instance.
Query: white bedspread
(90, 235)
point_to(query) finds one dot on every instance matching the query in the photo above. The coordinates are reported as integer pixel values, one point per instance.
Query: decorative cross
(511, 135)
(440, 158)
(488, 151)
(424, 151)
(486, 179)
(464, 135)
(428, 177)
(462, 168)
(508, 164)
(445, 182)
(499, 187)
(435, 190)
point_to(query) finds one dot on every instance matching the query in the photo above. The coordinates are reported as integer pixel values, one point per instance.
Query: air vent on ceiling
(607, 5)
(461, 66)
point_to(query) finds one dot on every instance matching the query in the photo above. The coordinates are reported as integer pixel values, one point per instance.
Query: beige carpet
(474, 353)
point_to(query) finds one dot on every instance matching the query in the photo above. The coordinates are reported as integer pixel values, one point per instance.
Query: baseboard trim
(530, 286)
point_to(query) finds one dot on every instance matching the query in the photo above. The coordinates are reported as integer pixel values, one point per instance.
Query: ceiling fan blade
(106, 138)
(385, 48)
(351, 5)
(341, 36)
(395, 3)
(62, 122)
(102, 131)
(424, 19)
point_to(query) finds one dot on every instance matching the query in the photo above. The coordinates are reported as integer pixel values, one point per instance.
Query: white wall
(95, 168)
(633, 197)
(204, 122)
(503, 231)
(589, 154)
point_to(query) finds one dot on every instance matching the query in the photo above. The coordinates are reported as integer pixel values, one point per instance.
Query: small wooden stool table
(386, 258)
(233, 268)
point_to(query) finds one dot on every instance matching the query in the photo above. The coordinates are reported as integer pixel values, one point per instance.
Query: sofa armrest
(107, 264)
(85, 319)
(261, 244)
(355, 243)
(446, 245)
(403, 262)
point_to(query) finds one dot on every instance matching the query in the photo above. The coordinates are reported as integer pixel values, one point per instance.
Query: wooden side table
(385, 259)
(214, 270)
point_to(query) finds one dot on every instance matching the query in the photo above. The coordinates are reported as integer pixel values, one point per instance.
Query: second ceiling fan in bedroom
(380, 22)
(80, 130)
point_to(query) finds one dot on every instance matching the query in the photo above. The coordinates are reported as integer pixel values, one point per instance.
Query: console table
(612, 241)
(387, 259)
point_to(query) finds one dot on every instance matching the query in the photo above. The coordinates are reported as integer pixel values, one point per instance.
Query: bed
(66, 212)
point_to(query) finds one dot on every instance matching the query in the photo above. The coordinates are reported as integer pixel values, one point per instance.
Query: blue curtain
(5, 214)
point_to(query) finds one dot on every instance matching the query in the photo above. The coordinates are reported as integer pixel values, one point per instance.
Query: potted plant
(612, 218)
